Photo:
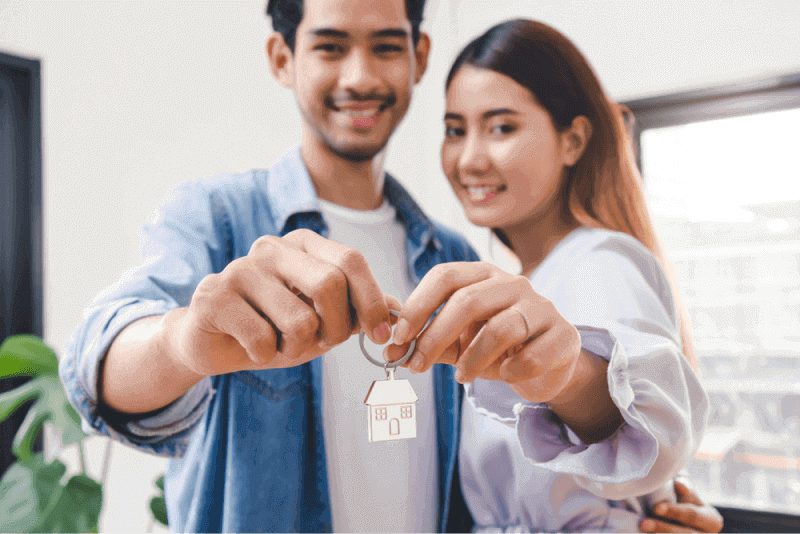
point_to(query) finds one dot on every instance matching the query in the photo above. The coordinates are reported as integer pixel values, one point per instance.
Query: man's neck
(353, 184)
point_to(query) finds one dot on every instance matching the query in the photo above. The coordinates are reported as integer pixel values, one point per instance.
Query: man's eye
(452, 131)
(388, 48)
(329, 48)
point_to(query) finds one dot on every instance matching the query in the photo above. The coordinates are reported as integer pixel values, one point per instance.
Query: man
(209, 351)
(230, 347)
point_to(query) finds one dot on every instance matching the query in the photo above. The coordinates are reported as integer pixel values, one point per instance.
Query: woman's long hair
(604, 188)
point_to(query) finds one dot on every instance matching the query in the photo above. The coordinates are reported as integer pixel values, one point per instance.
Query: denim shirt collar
(289, 180)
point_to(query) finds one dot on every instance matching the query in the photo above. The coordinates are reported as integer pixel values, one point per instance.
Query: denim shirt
(246, 449)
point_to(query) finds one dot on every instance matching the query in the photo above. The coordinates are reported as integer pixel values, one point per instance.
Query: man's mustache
(342, 99)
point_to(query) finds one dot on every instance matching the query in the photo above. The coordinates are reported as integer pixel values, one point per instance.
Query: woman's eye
(452, 131)
(502, 129)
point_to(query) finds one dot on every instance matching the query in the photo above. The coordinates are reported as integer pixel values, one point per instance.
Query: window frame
(774, 93)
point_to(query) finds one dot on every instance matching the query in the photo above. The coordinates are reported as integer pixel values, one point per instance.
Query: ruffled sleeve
(616, 294)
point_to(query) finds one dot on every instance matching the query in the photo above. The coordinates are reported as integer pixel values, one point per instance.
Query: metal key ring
(385, 365)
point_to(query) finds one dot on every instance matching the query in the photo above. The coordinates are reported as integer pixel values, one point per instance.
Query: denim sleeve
(623, 316)
(181, 243)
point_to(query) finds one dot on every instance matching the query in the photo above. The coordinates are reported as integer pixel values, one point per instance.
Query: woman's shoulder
(601, 261)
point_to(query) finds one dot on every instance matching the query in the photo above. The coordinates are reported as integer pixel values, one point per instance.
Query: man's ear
(575, 138)
(281, 59)
(421, 53)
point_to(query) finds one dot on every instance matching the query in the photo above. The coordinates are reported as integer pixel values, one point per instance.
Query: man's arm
(140, 373)
(285, 303)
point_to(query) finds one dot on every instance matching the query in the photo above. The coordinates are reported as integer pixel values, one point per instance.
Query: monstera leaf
(157, 504)
(32, 495)
(26, 355)
(32, 499)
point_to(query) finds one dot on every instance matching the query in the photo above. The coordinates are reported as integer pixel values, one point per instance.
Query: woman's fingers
(435, 289)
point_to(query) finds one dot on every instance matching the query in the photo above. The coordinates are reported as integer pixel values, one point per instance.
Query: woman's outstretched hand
(692, 513)
(492, 325)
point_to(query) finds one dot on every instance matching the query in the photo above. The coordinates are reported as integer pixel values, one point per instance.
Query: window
(722, 181)
(380, 414)
(20, 218)
(405, 412)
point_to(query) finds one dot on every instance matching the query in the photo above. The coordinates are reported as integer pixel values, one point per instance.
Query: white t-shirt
(388, 486)
(523, 470)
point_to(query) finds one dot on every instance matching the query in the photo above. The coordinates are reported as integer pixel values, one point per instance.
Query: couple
(231, 347)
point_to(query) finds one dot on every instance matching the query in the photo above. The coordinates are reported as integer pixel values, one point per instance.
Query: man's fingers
(654, 525)
(699, 518)
(685, 494)
(362, 289)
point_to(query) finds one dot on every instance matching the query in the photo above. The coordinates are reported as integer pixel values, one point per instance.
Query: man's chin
(356, 153)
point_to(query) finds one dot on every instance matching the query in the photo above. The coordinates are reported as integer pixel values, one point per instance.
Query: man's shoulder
(454, 246)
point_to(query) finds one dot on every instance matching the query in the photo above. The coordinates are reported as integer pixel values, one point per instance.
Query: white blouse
(523, 470)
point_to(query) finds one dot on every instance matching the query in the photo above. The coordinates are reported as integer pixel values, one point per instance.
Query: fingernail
(648, 524)
(661, 509)
(382, 333)
(417, 362)
(460, 376)
(401, 331)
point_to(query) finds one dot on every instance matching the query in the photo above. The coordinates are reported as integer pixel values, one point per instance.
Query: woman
(581, 400)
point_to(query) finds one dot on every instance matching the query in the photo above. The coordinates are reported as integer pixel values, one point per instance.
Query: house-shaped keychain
(392, 414)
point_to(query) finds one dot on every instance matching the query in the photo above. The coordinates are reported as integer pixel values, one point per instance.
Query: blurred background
(139, 95)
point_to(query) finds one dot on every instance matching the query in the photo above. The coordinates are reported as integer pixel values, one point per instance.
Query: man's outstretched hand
(692, 513)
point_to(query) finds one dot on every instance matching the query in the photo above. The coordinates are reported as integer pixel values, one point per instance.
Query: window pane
(725, 197)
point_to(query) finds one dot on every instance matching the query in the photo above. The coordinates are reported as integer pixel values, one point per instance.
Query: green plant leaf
(26, 355)
(51, 405)
(11, 400)
(157, 504)
(77, 509)
(27, 491)
(159, 508)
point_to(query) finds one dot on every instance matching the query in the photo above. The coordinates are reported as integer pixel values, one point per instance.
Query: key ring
(386, 365)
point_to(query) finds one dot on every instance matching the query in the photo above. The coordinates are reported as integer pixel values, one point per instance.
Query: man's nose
(359, 73)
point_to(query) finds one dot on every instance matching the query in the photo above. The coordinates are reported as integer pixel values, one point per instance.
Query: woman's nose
(474, 158)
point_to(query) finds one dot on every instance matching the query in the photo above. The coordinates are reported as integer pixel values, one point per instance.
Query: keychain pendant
(392, 414)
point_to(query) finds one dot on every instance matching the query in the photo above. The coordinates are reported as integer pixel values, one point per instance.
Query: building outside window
(722, 180)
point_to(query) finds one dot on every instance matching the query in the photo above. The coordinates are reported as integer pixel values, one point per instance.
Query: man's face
(354, 67)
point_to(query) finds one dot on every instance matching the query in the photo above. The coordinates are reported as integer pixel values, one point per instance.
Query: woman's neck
(533, 240)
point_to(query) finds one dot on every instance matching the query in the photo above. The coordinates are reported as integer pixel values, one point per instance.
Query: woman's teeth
(478, 194)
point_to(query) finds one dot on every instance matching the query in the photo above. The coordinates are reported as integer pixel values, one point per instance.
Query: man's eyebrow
(329, 32)
(341, 34)
(390, 32)
(485, 115)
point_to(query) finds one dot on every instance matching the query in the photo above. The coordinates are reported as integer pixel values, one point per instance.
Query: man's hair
(287, 14)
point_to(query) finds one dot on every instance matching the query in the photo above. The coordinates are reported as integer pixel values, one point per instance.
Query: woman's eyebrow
(486, 115)
(499, 111)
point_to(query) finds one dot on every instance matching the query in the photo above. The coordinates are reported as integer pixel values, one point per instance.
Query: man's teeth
(478, 194)
(360, 113)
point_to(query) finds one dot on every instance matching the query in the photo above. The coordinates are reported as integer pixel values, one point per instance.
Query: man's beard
(355, 154)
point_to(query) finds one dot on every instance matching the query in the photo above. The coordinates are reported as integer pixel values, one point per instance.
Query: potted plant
(33, 495)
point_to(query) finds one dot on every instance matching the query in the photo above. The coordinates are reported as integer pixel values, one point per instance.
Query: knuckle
(303, 325)
(331, 280)
(263, 243)
(352, 260)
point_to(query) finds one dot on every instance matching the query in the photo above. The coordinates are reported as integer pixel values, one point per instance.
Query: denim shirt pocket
(277, 384)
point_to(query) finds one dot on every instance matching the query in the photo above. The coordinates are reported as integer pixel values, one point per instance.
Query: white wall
(141, 95)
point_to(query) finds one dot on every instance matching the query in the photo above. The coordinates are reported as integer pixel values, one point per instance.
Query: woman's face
(501, 153)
